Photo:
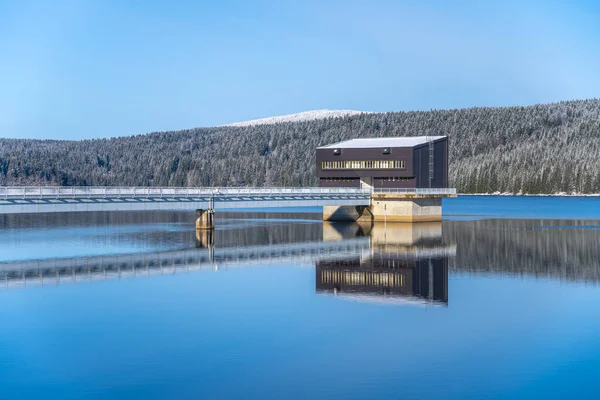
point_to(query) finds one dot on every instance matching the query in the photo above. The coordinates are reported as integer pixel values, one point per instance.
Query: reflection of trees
(264, 229)
(560, 249)
(92, 218)
(177, 228)
(546, 248)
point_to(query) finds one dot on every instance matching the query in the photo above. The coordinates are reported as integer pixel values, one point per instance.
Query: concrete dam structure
(410, 206)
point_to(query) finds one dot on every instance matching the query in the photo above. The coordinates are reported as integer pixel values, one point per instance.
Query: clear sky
(83, 69)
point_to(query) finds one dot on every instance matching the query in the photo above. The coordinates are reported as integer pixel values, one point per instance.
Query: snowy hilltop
(303, 116)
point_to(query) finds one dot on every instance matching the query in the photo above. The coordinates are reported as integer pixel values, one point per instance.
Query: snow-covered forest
(547, 148)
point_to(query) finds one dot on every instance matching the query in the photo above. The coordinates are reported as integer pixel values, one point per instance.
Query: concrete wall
(401, 209)
(389, 208)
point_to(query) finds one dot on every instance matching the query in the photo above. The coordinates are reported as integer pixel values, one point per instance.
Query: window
(364, 164)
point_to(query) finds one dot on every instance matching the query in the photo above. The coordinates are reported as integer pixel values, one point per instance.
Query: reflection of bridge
(56, 271)
(395, 263)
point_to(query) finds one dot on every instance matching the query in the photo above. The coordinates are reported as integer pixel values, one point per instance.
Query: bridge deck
(17, 200)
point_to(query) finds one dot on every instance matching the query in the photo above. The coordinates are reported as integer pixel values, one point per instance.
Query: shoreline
(498, 194)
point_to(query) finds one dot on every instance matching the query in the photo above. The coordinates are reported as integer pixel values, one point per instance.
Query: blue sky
(84, 69)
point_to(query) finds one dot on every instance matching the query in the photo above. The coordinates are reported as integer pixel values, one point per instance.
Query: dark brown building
(397, 162)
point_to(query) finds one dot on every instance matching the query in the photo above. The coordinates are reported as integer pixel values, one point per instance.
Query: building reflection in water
(406, 264)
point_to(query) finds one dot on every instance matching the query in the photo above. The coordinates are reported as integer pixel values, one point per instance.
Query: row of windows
(393, 179)
(340, 179)
(364, 164)
(379, 262)
(386, 279)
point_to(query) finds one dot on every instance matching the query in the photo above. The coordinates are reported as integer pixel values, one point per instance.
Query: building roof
(406, 141)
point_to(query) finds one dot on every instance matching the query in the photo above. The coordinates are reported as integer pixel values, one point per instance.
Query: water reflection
(386, 260)
(265, 333)
(393, 259)
(405, 263)
(59, 235)
(81, 269)
(556, 249)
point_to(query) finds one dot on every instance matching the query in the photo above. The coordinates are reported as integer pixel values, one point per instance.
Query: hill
(545, 148)
(303, 116)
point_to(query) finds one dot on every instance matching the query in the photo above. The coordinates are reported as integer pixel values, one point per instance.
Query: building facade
(399, 162)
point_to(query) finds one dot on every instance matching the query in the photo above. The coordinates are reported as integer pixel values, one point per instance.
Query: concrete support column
(390, 207)
(205, 219)
(347, 213)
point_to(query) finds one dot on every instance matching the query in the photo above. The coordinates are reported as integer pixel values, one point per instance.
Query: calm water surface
(501, 300)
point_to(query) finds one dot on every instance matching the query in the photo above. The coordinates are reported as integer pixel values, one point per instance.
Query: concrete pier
(205, 219)
(391, 207)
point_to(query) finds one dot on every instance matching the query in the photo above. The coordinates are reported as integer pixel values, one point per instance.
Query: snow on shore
(559, 194)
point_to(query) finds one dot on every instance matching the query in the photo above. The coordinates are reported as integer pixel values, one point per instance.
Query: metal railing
(438, 191)
(111, 191)
(32, 192)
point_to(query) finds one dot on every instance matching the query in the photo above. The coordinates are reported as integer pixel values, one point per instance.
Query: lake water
(501, 300)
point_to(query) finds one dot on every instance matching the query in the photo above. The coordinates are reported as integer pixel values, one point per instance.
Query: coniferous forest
(548, 148)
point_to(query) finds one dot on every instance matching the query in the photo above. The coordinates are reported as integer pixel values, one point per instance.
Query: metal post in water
(430, 273)
(385, 218)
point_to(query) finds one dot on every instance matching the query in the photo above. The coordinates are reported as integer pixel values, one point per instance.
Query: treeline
(536, 149)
